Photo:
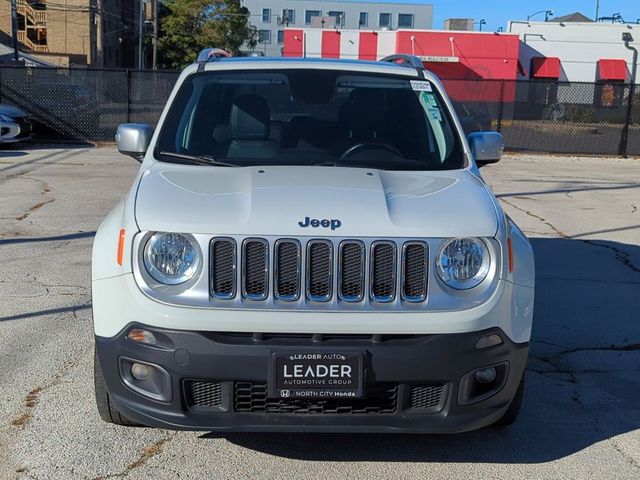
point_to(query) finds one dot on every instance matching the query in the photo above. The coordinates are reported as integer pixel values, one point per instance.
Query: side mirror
(486, 147)
(133, 139)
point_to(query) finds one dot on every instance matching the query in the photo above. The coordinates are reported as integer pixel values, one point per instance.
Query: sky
(498, 12)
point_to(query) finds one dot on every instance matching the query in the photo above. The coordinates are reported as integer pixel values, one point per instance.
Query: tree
(188, 26)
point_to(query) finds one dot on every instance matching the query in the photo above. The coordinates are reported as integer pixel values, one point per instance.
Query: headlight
(4, 118)
(171, 258)
(463, 263)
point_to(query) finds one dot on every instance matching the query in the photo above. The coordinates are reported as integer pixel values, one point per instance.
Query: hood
(12, 112)
(313, 201)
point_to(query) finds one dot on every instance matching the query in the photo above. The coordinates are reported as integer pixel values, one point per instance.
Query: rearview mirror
(133, 139)
(486, 147)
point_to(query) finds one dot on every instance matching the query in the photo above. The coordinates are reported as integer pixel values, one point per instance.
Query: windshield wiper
(199, 159)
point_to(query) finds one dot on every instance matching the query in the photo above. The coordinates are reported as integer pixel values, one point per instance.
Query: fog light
(486, 375)
(142, 372)
(142, 336)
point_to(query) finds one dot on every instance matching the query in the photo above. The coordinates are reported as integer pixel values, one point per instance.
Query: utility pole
(155, 34)
(99, 60)
(597, 9)
(140, 31)
(14, 29)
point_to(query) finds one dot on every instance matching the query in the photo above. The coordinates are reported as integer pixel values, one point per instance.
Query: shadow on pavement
(12, 153)
(583, 383)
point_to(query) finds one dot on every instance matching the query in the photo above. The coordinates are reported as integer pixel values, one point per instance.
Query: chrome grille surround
(255, 269)
(287, 269)
(414, 272)
(197, 291)
(222, 267)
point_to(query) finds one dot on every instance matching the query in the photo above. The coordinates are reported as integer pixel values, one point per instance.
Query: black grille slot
(223, 268)
(426, 396)
(255, 263)
(380, 398)
(203, 394)
(414, 268)
(383, 271)
(352, 271)
(319, 270)
(287, 270)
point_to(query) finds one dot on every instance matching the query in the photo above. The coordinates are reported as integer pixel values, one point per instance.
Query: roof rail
(405, 60)
(212, 54)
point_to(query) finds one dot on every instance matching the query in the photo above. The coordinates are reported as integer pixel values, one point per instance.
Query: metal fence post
(128, 95)
(501, 111)
(624, 137)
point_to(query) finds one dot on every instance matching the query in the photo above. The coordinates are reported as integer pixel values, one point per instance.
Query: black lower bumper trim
(219, 382)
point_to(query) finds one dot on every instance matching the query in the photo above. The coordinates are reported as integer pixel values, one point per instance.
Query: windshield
(309, 117)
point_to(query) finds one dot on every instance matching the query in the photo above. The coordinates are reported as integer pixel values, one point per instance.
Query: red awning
(545, 67)
(612, 69)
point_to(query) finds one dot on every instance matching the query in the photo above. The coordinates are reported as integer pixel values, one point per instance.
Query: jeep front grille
(383, 271)
(223, 268)
(318, 272)
(414, 271)
(255, 269)
(351, 269)
(287, 264)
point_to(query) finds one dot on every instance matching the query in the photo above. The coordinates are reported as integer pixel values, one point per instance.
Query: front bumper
(217, 381)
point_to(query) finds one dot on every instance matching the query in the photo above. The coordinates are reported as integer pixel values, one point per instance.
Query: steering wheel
(358, 147)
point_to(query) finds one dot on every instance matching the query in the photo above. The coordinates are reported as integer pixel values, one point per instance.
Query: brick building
(95, 33)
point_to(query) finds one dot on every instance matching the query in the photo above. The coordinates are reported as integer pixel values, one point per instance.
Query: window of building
(288, 17)
(264, 36)
(309, 14)
(384, 20)
(266, 15)
(280, 36)
(405, 20)
(364, 19)
(339, 16)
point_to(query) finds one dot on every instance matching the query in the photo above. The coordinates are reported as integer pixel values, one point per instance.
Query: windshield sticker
(434, 112)
(420, 86)
(430, 98)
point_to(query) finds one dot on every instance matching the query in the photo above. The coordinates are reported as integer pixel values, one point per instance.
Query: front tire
(511, 415)
(106, 409)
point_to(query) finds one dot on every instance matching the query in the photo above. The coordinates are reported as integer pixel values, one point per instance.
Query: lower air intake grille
(426, 396)
(203, 394)
(381, 398)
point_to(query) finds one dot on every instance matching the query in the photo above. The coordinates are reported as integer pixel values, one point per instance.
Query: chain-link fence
(541, 116)
(83, 104)
(551, 116)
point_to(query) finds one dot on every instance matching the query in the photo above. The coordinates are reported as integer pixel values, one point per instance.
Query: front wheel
(511, 415)
(106, 409)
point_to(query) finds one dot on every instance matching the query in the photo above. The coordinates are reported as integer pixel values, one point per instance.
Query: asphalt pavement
(581, 413)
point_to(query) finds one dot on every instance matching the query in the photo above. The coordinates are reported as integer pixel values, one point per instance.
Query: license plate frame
(316, 375)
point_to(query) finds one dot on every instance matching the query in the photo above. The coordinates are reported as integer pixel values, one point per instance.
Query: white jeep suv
(309, 245)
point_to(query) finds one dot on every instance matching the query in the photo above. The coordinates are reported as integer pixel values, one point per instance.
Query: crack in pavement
(620, 255)
(33, 397)
(34, 208)
(628, 458)
(146, 454)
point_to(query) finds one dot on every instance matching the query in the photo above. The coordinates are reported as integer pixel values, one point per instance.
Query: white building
(271, 17)
(576, 51)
